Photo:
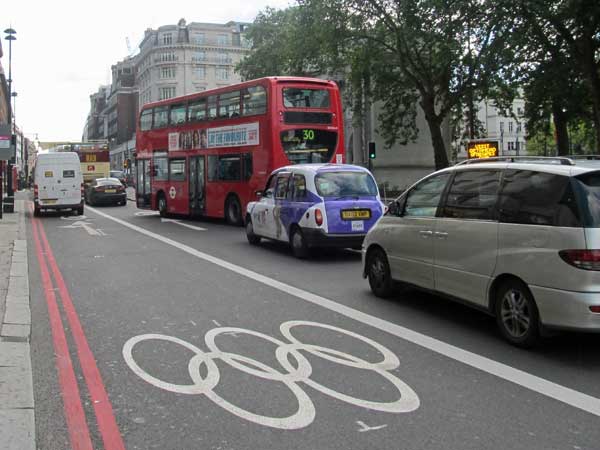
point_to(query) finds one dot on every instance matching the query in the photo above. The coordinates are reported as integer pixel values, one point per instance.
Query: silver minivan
(519, 239)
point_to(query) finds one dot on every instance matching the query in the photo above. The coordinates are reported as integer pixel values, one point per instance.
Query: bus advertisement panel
(206, 154)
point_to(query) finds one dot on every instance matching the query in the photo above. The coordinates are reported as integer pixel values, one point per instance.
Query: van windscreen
(588, 193)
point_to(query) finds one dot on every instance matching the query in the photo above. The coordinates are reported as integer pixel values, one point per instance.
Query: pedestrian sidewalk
(17, 419)
(130, 193)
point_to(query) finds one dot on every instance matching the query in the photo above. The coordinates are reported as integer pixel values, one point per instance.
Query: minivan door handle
(441, 234)
(426, 233)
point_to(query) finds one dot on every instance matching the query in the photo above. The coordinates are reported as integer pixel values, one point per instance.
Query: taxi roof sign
(482, 149)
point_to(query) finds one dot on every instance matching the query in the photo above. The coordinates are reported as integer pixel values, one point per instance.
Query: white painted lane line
(179, 222)
(534, 383)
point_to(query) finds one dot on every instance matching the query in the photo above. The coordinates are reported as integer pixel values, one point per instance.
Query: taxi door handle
(425, 234)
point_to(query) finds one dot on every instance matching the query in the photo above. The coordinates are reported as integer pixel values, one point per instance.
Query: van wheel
(162, 205)
(37, 212)
(378, 273)
(252, 238)
(80, 211)
(516, 314)
(233, 211)
(298, 244)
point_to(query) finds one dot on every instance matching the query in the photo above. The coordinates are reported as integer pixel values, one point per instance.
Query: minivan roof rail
(588, 157)
(564, 161)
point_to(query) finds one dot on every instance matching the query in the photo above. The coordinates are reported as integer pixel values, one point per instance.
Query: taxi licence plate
(356, 214)
(110, 191)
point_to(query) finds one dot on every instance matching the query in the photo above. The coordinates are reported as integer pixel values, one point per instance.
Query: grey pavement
(17, 418)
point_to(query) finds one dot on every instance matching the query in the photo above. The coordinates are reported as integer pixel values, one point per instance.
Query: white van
(58, 183)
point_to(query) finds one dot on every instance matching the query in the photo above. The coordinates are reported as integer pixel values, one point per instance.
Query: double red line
(75, 416)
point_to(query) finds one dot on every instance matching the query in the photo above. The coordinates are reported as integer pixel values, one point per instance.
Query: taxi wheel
(298, 244)
(162, 205)
(378, 273)
(252, 238)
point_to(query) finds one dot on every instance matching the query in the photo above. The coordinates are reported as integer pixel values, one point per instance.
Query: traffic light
(372, 151)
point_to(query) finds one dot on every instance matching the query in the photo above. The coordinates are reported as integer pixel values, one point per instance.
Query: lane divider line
(529, 381)
(107, 424)
(79, 433)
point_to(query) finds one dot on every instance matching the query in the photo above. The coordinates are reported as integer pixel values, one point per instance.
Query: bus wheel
(233, 211)
(162, 205)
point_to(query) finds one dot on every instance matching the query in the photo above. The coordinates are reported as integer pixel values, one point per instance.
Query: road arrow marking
(146, 213)
(364, 427)
(178, 222)
(87, 226)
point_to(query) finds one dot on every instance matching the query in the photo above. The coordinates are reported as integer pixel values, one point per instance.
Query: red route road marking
(107, 424)
(78, 430)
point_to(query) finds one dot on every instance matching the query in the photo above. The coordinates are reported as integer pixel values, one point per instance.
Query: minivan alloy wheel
(515, 313)
(378, 273)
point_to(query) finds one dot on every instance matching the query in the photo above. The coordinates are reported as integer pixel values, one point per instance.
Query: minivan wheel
(298, 244)
(162, 205)
(252, 238)
(378, 273)
(517, 315)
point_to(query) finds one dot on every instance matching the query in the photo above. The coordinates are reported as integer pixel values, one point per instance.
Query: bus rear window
(305, 98)
(308, 145)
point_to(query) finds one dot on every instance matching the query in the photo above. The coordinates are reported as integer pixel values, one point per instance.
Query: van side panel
(58, 180)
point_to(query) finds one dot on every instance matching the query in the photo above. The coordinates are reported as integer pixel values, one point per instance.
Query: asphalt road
(202, 341)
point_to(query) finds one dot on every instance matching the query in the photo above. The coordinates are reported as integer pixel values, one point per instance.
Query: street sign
(7, 149)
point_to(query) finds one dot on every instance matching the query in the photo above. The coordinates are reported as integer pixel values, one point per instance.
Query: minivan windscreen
(345, 184)
(588, 193)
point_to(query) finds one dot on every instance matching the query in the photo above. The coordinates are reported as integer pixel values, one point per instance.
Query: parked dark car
(106, 191)
(120, 175)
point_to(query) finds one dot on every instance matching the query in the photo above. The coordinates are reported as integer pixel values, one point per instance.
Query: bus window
(161, 116)
(254, 100)
(212, 107)
(229, 104)
(197, 110)
(177, 170)
(247, 165)
(161, 172)
(305, 98)
(177, 114)
(230, 168)
(213, 168)
(146, 120)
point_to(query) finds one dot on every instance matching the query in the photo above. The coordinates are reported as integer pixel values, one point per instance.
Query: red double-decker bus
(206, 154)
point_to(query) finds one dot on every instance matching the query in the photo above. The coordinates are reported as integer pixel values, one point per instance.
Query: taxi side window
(282, 186)
(270, 186)
(298, 188)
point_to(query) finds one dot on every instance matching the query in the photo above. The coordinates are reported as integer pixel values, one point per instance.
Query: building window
(222, 39)
(199, 73)
(501, 127)
(199, 56)
(167, 72)
(167, 57)
(167, 39)
(519, 127)
(510, 127)
(166, 92)
(511, 145)
(223, 58)
(520, 111)
(222, 73)
(198, 38)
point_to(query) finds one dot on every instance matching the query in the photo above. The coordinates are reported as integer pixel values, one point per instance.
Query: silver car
(519, 239)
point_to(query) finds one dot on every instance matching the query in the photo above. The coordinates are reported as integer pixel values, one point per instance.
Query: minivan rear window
(588, 196)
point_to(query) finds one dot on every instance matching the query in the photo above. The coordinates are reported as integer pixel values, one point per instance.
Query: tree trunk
(434, 122)
(560, 125)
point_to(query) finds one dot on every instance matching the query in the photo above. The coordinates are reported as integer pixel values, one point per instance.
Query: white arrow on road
(178, 222)
(87, 226)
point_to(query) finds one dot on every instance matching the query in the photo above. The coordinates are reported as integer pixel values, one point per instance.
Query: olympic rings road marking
(292, 375)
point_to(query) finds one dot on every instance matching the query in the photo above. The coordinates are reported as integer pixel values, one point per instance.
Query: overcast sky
(64, 51)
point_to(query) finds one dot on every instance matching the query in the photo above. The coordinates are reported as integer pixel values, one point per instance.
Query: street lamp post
(10, 201)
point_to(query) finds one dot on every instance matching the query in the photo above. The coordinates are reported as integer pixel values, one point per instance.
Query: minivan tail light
(582, 259)
(595, 309)
(318, 217)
